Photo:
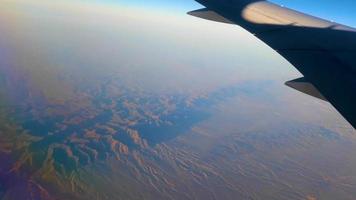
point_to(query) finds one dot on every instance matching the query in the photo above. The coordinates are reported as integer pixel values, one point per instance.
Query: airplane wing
(323, 51)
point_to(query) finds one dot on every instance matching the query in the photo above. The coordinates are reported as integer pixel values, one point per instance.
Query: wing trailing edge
(306, 87)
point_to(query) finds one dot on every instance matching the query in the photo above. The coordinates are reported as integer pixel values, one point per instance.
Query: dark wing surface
(323, 51)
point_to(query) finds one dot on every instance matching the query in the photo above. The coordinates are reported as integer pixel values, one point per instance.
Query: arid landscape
(86, 112)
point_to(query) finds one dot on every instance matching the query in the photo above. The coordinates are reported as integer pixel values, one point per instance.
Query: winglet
(209, 15)
(304, 86)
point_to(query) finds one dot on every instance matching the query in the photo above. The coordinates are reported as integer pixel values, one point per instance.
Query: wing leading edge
(323, 51)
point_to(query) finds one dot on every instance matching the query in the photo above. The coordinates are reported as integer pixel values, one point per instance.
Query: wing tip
(207, 14)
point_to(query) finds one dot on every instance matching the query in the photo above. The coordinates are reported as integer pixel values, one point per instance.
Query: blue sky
(342, 11)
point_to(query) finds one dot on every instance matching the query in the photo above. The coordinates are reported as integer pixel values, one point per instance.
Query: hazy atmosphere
(137, 100)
